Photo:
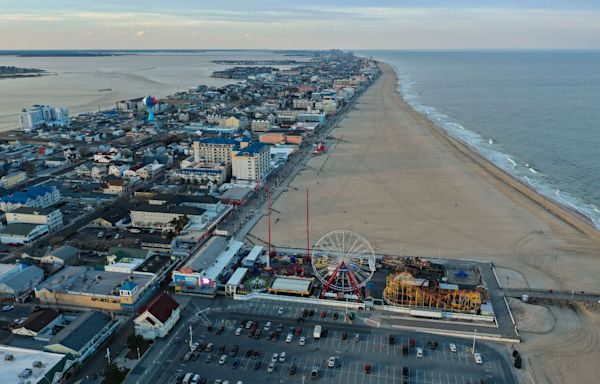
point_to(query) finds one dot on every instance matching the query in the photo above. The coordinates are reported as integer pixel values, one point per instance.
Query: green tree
(113, 374)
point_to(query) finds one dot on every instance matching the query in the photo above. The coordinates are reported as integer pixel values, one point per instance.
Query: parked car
(271, 367)
(292, 370)
(267, 326)
(344, 335)
(235, 364)
(223, 359)
(331, 362)
(257, 366)
(405, 372)
(8, 308)
(314, 374)
(392, 339)
(238, 331)
(302, 340)
(323, 314)
(280, 311)
(282, 357)
(274, 358)
(289, 338)
(220, 330)
(432, 345)
(420, 352)
(368, 369)
(453, 347)
(357, 337)
(478, 358)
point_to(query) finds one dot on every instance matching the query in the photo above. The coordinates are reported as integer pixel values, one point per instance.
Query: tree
(29, 167)
(113, 374)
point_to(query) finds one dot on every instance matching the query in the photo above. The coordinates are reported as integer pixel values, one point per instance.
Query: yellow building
(84, 287)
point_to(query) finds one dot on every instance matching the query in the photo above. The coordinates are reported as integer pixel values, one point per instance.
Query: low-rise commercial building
(17, 281)
(22, 365)
(82, 337)
(12, 179)
(88, 288)
(20, 234)
(51, 217)
(164, 216)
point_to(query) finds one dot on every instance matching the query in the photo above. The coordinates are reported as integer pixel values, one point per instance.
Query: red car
(324, 314)
(298, 331)
(368, 369)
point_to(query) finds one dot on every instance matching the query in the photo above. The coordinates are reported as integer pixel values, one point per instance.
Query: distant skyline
(308, 24)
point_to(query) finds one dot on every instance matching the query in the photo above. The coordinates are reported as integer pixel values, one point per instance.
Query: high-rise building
(251, 163)
(38, 115)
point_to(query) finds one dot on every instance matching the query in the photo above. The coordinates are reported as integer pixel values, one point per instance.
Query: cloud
(139, 34)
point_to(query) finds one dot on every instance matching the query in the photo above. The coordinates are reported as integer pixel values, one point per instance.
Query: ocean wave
(493, 153)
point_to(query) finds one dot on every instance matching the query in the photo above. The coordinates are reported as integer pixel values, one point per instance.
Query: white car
(302, 340)
(271, 367)
(249, 325)
(223, 359)
(453, 347)
(331, 362)
(280, 311)
(274, 358)
(267, 326)
(7, 308)
(238, 331)
(289, 338)
(478, 358)
(282, 356)
(420, 352)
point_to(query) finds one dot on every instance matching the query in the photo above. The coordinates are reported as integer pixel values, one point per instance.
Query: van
(195, 379)
(187, 378)
(420, 352)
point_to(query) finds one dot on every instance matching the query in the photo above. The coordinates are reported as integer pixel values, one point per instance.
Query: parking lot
(352, 354)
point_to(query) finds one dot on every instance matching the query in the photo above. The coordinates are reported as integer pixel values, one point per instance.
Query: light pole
(474, 336)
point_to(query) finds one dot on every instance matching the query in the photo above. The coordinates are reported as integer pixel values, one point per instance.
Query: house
(51, 217)
(22, 233)
(18, 280)
(82, 337)
(63, 255)
(37, 322)
(119, 187)
(158, 318)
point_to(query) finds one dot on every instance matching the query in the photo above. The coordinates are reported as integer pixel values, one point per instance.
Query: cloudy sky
(313, 24)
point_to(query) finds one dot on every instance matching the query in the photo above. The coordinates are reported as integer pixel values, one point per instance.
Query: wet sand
(410, 190)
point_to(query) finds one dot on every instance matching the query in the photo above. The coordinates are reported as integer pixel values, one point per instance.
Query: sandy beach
(410, 190)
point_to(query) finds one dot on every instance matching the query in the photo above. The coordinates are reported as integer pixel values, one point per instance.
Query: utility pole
(108, 355)
(474, 336)
(191, 342)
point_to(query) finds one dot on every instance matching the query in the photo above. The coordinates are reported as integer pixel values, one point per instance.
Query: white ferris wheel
(344, 262)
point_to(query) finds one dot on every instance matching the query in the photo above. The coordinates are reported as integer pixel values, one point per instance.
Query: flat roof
(291, 284)
(236, 193)
(77, 279)
(254, 253)
(207, 254)
(174, 209)
(238, 276)
(223, 260)
(23, 359)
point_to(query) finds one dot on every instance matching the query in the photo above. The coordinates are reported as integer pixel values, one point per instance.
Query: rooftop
(40, 319)
(78, 279)
(174, 209)
(291, 284)
(34, 211)
(19, 229)
(207, 254)
(23, 359)
(81, 330)
(162, 307)
(218, 140)
(252, 149)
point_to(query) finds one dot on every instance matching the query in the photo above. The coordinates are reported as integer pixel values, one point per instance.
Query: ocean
(87, 83)
(535, 114)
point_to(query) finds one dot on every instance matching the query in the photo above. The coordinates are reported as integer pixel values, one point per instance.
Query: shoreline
(568, 215)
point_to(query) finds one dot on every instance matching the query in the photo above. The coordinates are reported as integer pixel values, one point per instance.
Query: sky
(301, 24)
